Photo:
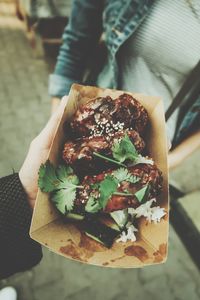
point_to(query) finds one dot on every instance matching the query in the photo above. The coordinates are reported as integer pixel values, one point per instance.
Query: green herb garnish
(92, 205)
(124, 150)
(107, 187)
(108, 159)
(48, 180)
(142, 194)
(61, 182)
(123, 174)
(123, 194)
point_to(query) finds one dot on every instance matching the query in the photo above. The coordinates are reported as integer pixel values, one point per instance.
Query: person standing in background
(150, 47)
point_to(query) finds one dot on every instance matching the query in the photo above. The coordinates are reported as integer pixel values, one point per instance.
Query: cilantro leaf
(124, 149)
(64, 199)
(107, 187)
(123, 174)
(61, 182)
(63, 172)
(108, 159)
(92, 205)
(69, 182)
(48, 180)
(142, 194)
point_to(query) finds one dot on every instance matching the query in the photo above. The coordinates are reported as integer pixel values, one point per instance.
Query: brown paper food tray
(66, 239)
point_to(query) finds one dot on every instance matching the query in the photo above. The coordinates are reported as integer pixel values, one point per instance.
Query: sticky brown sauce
(136, 251)
(160, 254)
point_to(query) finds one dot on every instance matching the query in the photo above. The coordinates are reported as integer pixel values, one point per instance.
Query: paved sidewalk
(24, 109)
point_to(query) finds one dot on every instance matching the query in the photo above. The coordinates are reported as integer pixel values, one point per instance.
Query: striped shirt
(165, 48)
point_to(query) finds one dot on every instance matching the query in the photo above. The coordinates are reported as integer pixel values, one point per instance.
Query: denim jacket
(114, 21)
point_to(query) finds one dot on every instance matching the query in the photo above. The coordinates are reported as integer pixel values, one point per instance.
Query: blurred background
(30, 34)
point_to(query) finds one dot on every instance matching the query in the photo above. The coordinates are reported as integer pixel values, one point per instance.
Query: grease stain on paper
(137, 251)
(84, 250)
(160, 254)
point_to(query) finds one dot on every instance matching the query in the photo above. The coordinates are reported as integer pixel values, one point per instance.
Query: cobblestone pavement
(24, 109)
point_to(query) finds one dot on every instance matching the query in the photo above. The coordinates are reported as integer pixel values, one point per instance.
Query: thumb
(48, 132)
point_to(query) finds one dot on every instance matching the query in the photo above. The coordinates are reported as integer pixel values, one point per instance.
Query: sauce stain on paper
(118, 258)
(160, 254)
(137, 251)
(90, 245)
(72, 251)
(84, 250)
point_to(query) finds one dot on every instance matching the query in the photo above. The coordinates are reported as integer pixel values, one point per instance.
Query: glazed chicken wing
(147, 174)
(103, 116)
(80, 153)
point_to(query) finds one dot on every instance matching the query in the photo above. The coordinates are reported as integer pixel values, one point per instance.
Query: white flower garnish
(157, 213)
(150, 213)
(128, 235)
(142, 210)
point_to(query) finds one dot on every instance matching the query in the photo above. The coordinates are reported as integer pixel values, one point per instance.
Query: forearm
(18, 251)
(185, 149)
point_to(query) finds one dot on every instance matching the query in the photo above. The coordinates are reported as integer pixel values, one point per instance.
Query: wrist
(26, 181)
